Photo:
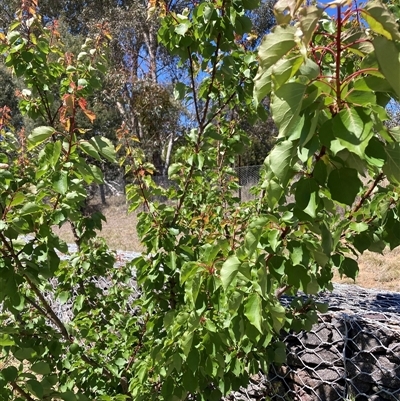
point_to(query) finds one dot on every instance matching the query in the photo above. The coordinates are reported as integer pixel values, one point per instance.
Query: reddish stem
(355, 42)
(357, 73)
(338, 56)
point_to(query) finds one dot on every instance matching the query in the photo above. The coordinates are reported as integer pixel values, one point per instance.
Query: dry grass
(376, 271)
(119, 229)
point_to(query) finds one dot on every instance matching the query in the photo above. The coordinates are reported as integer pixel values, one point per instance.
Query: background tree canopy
(137, 86)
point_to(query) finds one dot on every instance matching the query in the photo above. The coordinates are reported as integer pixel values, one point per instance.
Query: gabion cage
(352, 354)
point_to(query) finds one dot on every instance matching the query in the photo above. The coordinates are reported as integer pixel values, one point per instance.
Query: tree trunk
(168, 154)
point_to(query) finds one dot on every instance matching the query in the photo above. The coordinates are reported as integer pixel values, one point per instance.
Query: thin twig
(280, 291)
(196, 106)
(21, 391)
(358, 206)
(213, 73)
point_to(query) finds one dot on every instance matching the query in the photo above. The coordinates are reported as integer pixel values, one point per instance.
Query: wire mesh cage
(352, 354)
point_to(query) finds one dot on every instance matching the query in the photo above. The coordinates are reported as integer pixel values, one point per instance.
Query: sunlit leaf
(381, 20)
(280, 158)
(39, 135)
(252, 310)
(286, 105)
(229, 270)
(388, 55)
(392, 165)
(275, 45)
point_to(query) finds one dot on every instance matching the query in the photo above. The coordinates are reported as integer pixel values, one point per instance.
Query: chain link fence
(247, 177)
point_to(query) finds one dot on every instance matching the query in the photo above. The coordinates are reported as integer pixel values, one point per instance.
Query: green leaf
(286, 105)
(30, 208)
(280, 159)
(275, 45)
(17, 199)
(391, 167)
(83, 82)
(179, 92)
(68, 396)
(358, 227)
(41, 368)
(6, 340)
(13, 36)
(193, 360)
(105, 147)
(306, 195)
(97, 174)
(235, 300)
(309, 69)
(60, 182)
(309, 17)
(229, 270)
(9, 373)
(56, 153)
(327, 240)
(274, 236)
(375, 153)
(388, 55)
(25, 353)
(186, 342)
(322, 307)
(274, 192)
(395, 133)
(320, 172)
(250, 4)
(285, 69)
(381, 20)
(142, 373)
(39, 135)
(188, 270)
(328, 137)
(280, 353)
(349, 267)
(251, 240)
(252, 310)
(168, 388)
(262, 84)
(344, 185)
(372, 83)
(312, 287)
(361, 98)
(278, 314)
(354, 128)
(189, 382)
(36, 388)
(90, 150)
(297, 276)
(78, 304)
(183, 27)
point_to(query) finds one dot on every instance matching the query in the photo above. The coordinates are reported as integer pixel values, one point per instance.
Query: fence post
(102, 194)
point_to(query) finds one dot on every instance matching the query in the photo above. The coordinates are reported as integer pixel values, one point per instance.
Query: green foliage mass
(8, 96)
(209, 311)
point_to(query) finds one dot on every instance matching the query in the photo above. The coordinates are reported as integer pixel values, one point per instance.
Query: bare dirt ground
(376, 271)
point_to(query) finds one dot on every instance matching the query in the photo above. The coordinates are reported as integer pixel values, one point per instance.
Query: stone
(353, 351)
